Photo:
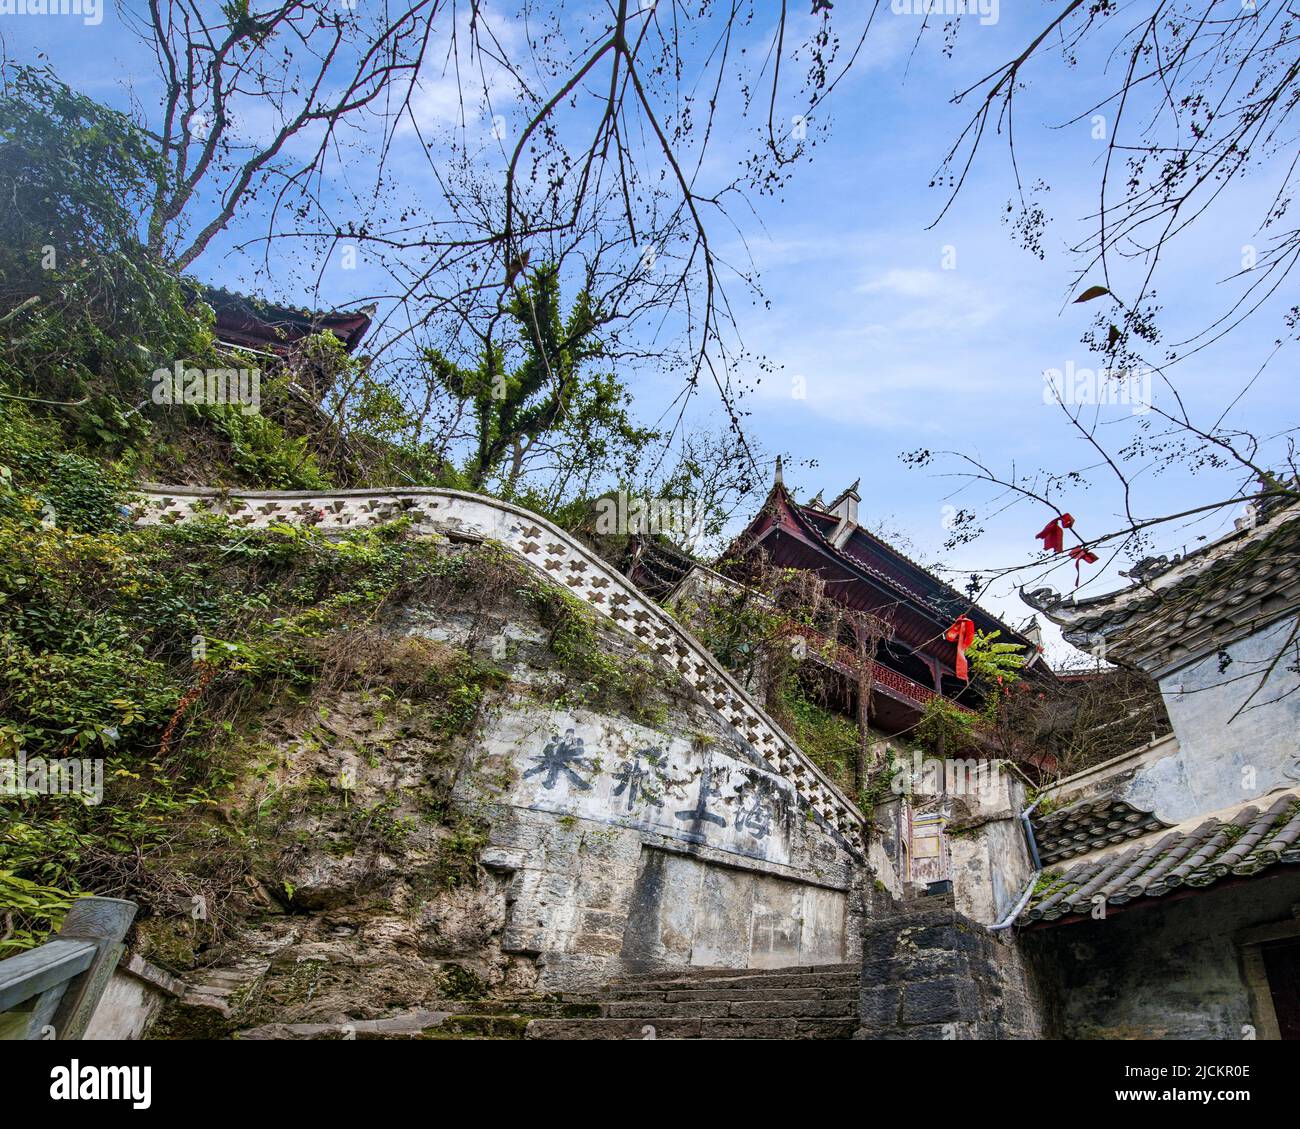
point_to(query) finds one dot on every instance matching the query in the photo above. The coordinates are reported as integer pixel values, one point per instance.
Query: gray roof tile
(1247, 843)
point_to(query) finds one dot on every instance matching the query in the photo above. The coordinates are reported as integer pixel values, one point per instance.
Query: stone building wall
(548, 846)
(979, 837)
(929, 972)
(1218, 764)
(1175, 970)
(630, 848)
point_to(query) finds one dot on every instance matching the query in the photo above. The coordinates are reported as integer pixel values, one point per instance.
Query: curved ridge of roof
(264, 308)
(956, 596)
(1240, 844)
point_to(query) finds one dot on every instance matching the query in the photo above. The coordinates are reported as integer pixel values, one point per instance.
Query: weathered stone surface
(811, 1009)
(613, 1029)
(367, 903)
(747, 1009)
(931, 1001)
(698, 1008)
(765, 982)
(930, 973)
(881, 1007)
(748, 1029)
(1172, 970)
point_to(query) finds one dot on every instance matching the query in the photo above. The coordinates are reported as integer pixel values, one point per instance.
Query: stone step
(701, 1028)
(409, 1025)
(754, 1008)
(699, 995)
(813, 1002)
(715, 972)
(838, 981)
(444, 1019)
(575, 1007)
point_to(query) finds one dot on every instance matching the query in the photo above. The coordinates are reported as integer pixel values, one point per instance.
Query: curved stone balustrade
(553, 553)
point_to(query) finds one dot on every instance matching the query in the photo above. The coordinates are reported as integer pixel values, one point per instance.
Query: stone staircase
(815, 1002)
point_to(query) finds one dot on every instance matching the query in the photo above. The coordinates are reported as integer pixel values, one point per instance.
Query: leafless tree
(583, 135)
(1203, 96)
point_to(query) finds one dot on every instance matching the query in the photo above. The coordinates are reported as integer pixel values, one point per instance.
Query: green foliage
(880, 783)
(993, 663)
(460, 983)
(98, 628)
(546, 402)
(591, 672)
(749, 631)
(944, 725)
(595, 674)
(1047, 883)
(449, 682)
(86, 312)
(456, 863)
(830, 739)
(98, 623)
(80, 494)
(262, 452)
(29, 912)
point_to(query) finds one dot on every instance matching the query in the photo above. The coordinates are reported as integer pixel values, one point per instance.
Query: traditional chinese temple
(250, 323)
(914, 661)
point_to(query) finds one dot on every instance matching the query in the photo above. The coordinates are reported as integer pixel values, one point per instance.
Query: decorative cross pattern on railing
(557, 556)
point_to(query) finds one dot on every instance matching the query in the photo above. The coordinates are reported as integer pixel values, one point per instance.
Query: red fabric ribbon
(962, 632)
(1053, 533)
(1081, 555)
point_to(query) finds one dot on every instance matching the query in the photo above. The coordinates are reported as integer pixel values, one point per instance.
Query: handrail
(64, 979)
(37, 970)
(553, 552)
(844, 660)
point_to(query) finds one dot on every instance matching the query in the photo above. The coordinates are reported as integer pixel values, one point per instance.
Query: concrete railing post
(103, 921)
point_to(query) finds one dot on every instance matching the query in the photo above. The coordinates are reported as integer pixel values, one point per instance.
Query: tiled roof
(1251, 840)
(1166, 619)
(655, 565)
(246, 320)
(943, 600)
(1089, 825)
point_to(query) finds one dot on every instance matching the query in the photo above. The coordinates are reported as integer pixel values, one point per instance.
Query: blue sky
(891, 350)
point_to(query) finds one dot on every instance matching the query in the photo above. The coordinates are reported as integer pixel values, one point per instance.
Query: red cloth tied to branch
(1081, 555)
(1053, 533)
(962, 632)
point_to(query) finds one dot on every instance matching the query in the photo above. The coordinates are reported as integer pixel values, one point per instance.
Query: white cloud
(459, 84)
(906, 283)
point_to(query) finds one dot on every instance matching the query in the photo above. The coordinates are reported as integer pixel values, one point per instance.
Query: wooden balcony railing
(832, 653)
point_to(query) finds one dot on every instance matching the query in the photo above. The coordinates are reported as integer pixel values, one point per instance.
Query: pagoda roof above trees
(804, 535)
(251, 323)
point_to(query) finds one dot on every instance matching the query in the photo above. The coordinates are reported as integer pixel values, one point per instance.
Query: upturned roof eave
(1068, 613)
(803, 525)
